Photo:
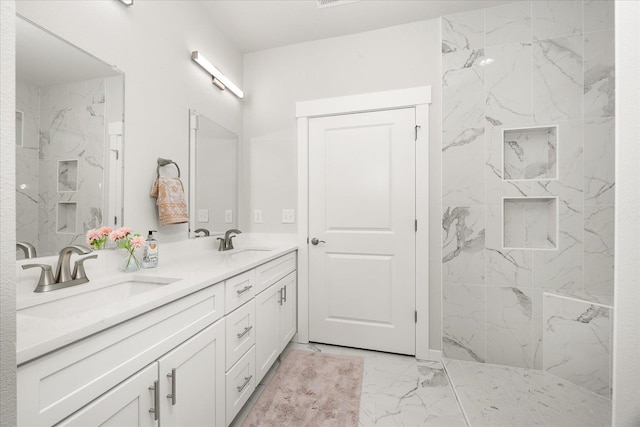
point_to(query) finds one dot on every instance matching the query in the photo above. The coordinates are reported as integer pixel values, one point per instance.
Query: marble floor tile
(396, 390)
(492, 395)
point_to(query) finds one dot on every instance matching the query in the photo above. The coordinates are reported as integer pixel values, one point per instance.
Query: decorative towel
(172, 207)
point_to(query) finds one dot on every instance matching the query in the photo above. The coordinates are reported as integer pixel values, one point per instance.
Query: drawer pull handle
(284, 298)
(280, 296)
(245, 332)
(247, 380)
(243, 290)
(172, 396)
(156, 401)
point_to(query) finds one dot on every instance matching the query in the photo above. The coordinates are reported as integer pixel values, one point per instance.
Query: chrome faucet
(28, 249)
(226, 244)
(63, 276)
(63, 269)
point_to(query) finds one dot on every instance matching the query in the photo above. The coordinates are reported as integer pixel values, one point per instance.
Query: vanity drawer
(240, 333)
(269, 273)
(54, 386)
(240, 384)
(238, 290)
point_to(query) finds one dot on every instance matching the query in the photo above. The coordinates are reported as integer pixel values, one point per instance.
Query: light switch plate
(228, 216)
(203, 215)
(288, 216)
(257, 216)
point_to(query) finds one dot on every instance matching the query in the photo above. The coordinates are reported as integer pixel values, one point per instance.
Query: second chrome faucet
(226, 244)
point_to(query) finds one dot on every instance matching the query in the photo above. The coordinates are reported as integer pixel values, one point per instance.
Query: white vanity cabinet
(190, 362)
(255, 328)
(275, 321)
(183, 388)
(56, 385)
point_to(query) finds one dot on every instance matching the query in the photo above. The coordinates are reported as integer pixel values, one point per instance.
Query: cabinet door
(287, 321)
(126, 405)
(267, 340)
(192, 381)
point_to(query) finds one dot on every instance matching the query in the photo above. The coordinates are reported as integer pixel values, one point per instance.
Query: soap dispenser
(150, 253)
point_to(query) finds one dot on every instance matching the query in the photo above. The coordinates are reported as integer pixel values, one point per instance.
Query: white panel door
(362, 211)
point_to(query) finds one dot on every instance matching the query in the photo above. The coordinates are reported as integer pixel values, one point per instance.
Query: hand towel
(172, 206)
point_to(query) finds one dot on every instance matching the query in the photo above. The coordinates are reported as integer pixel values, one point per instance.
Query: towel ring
(165, 162)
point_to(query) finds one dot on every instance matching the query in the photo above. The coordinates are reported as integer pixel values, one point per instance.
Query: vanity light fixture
(126, 2)
(219, 79)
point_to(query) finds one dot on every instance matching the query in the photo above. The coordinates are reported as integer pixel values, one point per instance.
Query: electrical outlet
(228, 216)
(288, 216)
(203, 215)
(257, 216)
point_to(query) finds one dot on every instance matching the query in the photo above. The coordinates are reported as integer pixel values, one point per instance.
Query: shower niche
(530, 223)
(530, 153)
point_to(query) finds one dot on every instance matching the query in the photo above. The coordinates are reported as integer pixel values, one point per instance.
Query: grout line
(576, 299)
(455, 393)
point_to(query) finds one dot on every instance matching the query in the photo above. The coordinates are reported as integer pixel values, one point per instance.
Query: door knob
(315, 241)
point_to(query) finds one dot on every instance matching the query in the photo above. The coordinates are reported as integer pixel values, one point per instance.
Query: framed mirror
(69, 163)
(213, 177)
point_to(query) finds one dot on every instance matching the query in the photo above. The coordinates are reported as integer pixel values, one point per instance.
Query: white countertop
(190, 266)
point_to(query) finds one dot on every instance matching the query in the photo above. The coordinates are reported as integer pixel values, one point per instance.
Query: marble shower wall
(577, 342)
(545, 65)
(65, 176)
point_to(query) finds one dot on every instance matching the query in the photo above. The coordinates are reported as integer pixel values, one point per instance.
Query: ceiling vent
(329, 3)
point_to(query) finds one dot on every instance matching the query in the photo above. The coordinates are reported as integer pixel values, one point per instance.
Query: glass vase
(130, 261)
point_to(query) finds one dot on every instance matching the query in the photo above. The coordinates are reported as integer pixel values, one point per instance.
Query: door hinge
(416, 224)
(416, 318)
(415, 136)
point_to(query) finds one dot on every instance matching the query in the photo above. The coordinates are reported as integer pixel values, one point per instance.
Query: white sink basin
(91, 299)
(244, 251)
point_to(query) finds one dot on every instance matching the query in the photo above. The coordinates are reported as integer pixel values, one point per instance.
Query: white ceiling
(254, 25)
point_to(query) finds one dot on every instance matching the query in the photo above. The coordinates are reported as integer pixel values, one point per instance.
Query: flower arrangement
(97, 237)
(125, 239)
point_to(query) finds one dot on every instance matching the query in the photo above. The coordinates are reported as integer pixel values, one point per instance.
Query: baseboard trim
(433, 355)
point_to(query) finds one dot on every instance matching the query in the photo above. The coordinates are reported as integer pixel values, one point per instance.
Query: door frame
(418, 98)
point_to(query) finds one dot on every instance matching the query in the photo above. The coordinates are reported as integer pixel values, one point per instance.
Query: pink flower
(93, 235)
(105, 231)
(125, 231)
(137, 242)
(116, 235)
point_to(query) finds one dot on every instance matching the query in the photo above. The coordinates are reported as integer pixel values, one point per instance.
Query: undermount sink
(244, 251)
(90, 300)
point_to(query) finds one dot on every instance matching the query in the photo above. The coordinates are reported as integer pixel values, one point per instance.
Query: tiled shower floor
(493, 395)
(402, 391)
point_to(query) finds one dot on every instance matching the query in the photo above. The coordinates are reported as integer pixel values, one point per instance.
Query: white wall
(151, 43)
(8, 215)
(626, 365)
(391, 58)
